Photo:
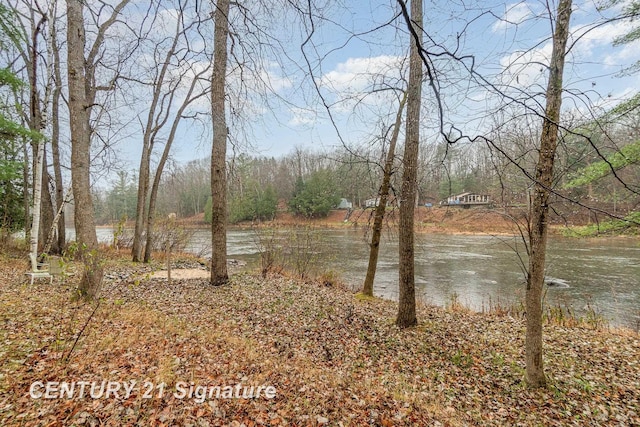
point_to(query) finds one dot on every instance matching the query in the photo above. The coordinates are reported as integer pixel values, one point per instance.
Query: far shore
(436, 220)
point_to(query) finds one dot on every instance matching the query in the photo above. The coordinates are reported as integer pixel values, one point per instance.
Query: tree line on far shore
(256, 184)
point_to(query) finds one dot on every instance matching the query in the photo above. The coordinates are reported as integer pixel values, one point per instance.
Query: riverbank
(332, 358)
(441, 220)
(435, 220)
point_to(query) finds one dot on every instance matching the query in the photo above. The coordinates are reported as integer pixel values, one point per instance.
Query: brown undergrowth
(333, 359)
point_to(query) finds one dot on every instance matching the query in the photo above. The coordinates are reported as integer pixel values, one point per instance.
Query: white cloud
(364, 82)
(596, 46)
(515, 13)
(358, 74)
(273, 80)
(624, 57)
(261, 82)
(302, 117)
(524, 69)
(604, 35)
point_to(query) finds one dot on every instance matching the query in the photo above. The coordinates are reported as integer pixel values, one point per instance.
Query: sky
(357, 53)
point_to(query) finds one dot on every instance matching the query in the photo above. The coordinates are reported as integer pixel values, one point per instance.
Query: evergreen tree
(316, 196)
(12, 213)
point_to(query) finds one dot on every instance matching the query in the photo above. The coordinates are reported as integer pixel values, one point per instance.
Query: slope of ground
(332, 358)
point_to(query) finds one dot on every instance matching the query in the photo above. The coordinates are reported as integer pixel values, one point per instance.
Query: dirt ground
(182, 273)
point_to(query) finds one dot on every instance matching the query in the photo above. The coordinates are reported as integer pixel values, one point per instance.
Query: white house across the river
(467, 200)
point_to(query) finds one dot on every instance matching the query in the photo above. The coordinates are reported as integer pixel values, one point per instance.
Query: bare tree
(189, 98)
(374, 246)
(169, 76)
(37, 198)
(152, 127)
(540, 205)
(55, 137)
(36, 124)
(219, 275)
(82, 96)
(407, 294)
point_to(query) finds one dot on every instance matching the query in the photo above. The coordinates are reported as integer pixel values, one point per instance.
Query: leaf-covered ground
(332, 358)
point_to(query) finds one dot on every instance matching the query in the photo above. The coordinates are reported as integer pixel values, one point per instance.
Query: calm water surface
(479, 270)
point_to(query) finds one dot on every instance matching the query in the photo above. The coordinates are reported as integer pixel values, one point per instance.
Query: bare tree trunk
(37, 197)
(153, 197)
(79, 113)
(219, 275)
(407, 293)
(35, 124)
(26, 198)
(367, 288)
(55, 144)
(48, 212)
(81, 73)
(143, 188)
(540, 205)
(56, 221)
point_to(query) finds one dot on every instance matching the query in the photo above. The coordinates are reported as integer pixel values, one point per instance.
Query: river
(478, 271)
